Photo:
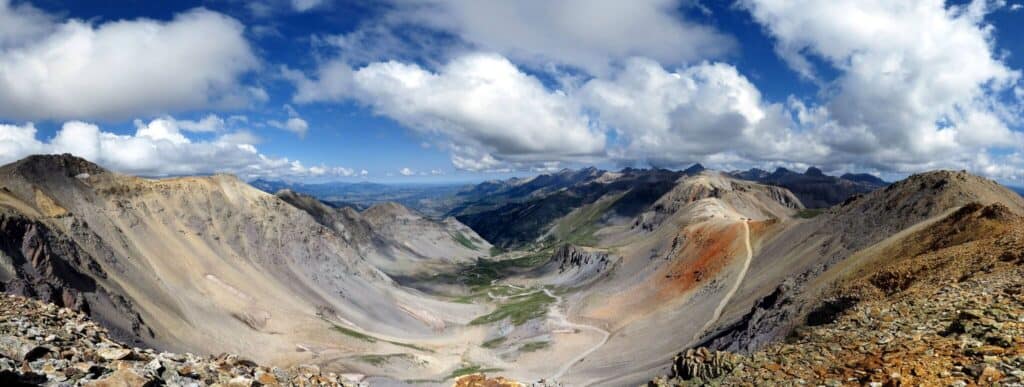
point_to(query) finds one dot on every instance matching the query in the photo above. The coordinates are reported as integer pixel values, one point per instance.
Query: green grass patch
(494, 343)
(407, 345)
(348, 332)
(484, 293)
(519, 309)
(808, 213)
(578, 227)
(469, 299)
(483, 272)
(458, 236)
(379, 360)
(370, 339)
(534, 346)
(469, 370)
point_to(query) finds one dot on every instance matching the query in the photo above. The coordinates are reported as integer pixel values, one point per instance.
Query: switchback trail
(565, 321)
(735, 286)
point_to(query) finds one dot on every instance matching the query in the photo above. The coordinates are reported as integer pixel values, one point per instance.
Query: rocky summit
(962, 334)
(42, 344)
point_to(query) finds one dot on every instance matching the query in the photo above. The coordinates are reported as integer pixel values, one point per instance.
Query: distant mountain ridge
(432, 200)
(518, 212)
(814, 188)
(394, 238)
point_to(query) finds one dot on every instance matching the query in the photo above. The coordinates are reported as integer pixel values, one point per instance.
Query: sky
(451, 90)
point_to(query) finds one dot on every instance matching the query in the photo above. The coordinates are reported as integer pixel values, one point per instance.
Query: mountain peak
(387, 209)
(922, 196)
(864, 178)
(814, 171)
(780, 172)
(52, 165)
(694, 169)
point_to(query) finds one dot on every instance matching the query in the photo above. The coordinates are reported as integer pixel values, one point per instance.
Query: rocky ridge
(43, 344)
(944, 307)
(962, 334)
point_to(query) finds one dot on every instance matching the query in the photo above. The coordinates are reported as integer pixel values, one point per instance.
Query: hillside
(522, 212)
(945, 308)
(394, 238)
(801, 262)
(206, 265)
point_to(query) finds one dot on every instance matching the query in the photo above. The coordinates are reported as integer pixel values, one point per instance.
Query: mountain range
(814, 188)
(580, 277)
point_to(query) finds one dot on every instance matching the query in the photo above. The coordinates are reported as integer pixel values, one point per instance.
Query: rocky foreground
(42, 344)
(964, 332)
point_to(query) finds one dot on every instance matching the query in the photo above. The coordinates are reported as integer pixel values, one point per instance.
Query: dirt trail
(735, 286)
(565, 321)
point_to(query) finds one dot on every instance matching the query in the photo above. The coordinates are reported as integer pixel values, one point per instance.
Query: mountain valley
(576, 278)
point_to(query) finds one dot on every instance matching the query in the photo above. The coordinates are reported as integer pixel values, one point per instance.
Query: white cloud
(691, 114)
(918, 81)
(294, 123)
(1016, 7)
(588, 34)
(18, 141)
(158, 148)
(481, 102)
(77, 69)
(911, 85)
(406, 172)
(305, 5)
(210, 123)
(21, 22)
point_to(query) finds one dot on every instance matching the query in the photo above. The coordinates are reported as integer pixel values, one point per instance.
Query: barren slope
(396, 239)
(207, 264)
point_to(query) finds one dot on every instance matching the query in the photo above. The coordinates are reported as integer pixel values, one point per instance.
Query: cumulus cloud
(691, 114)
(158, 148)
(294, 123)
(918, 81)
(587, 34)
(484, 104)
(909, 86)
(210, 123)
(22, 22)
(406, 172)
(78, 69)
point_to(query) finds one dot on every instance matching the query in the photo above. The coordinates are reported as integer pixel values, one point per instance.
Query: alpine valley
(581, 277)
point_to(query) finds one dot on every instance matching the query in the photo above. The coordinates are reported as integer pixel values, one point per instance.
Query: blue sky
(447, 90)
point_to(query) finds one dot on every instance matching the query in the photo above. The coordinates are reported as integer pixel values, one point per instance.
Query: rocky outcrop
(43, 344)
(34, 262)
(701, 363)
(570, 257)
